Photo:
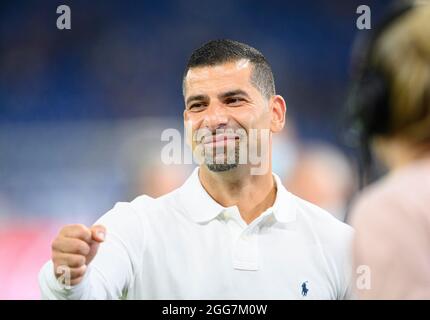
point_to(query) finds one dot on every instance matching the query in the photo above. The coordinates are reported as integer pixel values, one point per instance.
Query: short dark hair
(217, 52)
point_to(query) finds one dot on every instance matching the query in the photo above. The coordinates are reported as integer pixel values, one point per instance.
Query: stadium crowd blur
(82, 110)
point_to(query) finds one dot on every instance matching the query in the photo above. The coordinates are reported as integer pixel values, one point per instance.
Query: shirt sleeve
(346, 272)
(112, 271)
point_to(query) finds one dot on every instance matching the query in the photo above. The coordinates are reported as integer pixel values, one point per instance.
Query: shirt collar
(201, 207)
(284, 208)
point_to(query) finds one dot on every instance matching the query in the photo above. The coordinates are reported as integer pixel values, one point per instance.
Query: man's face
(221, 101)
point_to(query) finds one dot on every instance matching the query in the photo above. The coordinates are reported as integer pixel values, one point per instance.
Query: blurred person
(227, 232)
(285, 151)
(390, 101)
(322, 175)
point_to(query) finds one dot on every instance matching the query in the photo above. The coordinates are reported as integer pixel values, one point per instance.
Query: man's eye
(234, 100)
(195, 106)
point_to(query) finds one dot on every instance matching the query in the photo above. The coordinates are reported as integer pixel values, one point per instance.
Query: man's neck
(252, 194)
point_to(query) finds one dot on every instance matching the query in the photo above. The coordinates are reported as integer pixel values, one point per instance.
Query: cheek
(195, 118)
(194, 132)
(190, 127)
(250, 118)
(192, 119)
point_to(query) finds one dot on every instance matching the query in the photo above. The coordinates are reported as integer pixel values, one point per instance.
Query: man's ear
(185, 116)
(278, 109)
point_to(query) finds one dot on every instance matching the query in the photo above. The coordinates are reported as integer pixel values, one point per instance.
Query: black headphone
(367, 103)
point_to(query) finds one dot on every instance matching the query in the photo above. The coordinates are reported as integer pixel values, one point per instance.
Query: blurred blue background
(82, 110)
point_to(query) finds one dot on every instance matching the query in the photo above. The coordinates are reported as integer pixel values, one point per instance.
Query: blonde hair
(403, 53)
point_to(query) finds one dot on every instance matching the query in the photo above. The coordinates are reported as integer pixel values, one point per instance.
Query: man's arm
(97, 266)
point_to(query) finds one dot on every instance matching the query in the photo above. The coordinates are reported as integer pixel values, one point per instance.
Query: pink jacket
(392, 223)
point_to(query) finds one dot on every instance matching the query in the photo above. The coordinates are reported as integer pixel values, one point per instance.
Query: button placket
(245, 253)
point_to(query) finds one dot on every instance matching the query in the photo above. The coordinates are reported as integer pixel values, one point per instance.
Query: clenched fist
(74, 248)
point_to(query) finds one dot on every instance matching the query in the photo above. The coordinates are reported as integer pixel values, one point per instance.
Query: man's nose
(215, 117)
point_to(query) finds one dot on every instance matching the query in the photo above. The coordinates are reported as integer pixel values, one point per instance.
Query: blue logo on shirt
(304, 289)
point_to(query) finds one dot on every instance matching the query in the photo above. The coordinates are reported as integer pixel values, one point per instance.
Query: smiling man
(232, 231)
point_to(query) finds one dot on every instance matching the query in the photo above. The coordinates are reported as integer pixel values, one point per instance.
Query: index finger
(77, 231)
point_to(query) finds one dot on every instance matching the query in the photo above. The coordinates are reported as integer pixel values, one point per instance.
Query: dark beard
(222, 167)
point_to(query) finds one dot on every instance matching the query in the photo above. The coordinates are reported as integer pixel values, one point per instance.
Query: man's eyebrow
(198, 97)
(232, 93)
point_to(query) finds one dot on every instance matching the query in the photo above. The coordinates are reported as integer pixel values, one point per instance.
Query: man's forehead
(241, 66)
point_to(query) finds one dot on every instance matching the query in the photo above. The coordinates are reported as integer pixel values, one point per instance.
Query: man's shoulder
(146, 203)
(144, 206)
(141, 211)
(321, 221)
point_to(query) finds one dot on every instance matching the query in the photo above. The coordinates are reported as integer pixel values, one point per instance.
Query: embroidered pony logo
(305, 289)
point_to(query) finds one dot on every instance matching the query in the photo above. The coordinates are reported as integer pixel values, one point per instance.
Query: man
(231, 231)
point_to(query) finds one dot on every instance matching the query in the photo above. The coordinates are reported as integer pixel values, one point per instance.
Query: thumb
(98, 233)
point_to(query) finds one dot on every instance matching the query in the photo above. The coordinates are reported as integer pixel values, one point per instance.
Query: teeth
(220, 138)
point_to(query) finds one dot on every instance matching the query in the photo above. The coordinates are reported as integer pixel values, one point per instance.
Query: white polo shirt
(184, 245)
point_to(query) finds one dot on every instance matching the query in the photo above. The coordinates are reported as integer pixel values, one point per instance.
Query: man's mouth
(219, 140)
